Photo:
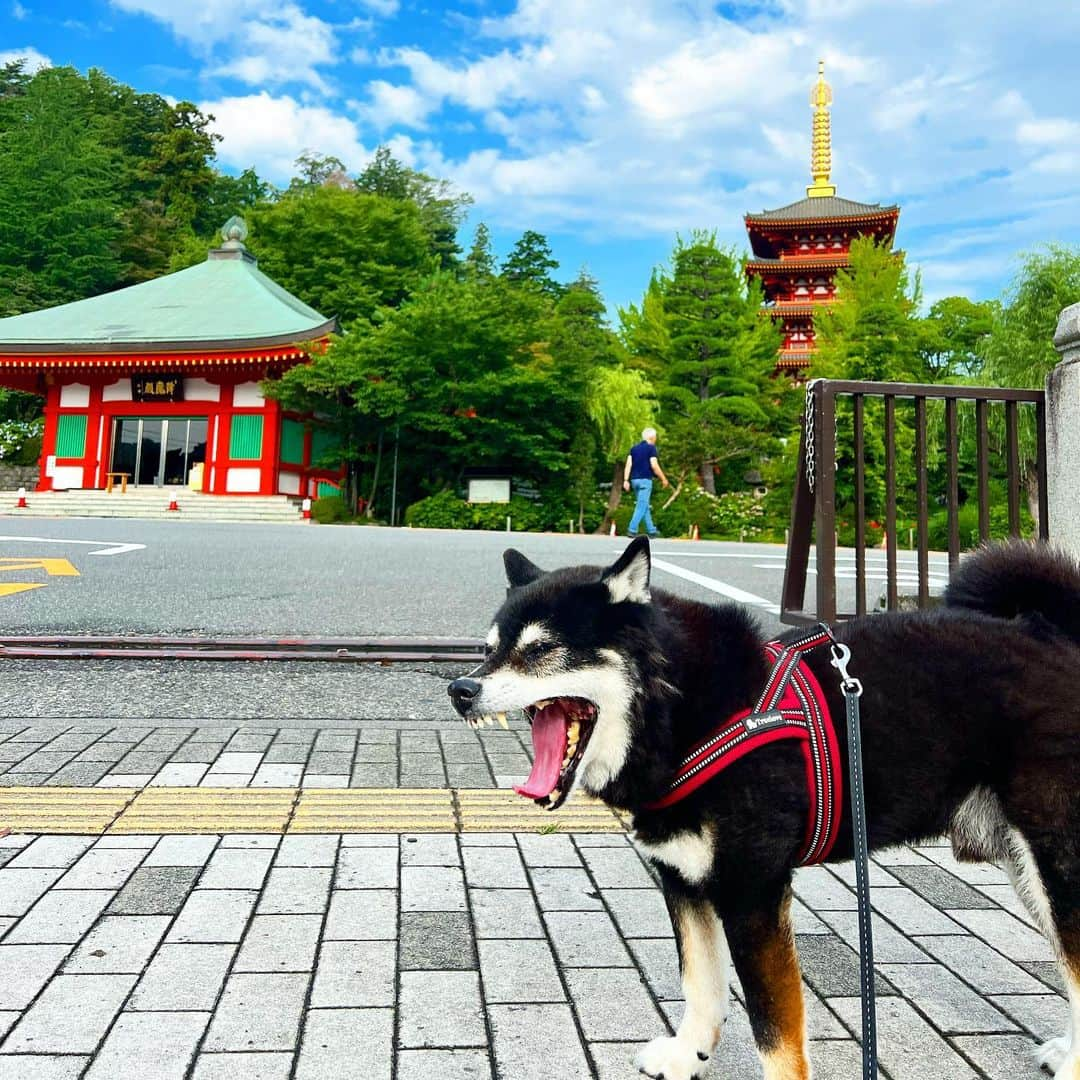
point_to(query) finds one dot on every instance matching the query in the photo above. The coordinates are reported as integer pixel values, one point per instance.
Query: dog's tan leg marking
(1062, 1055)
(704, 955)
(769, 970)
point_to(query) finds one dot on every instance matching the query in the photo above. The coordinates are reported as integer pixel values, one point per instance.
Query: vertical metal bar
(921, 510)
(891, 539)
(793, 596)
(1013, 451)
(1040, 464)
(953, 495)
(860, 508)
(825, 454)
(982, 451)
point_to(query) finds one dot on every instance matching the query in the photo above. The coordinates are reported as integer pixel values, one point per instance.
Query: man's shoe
(631, 535)
(656, 536)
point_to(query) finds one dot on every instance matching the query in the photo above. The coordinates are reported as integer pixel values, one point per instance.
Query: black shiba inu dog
(971, 727)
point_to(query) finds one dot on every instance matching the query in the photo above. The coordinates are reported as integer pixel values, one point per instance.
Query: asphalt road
(181, 578)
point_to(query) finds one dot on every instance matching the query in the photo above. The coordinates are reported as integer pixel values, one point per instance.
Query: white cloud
(392, 106)
(648, 116)
(18, 11)
(385, 8)
(34, 59)
(271, 132)
(247, 39)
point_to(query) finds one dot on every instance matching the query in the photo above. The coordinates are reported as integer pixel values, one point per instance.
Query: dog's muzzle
(463, 693)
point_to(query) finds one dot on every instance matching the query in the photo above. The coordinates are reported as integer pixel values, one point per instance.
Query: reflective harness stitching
(792, 706)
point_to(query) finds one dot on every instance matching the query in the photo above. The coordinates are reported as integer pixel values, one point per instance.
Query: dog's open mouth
(561, 730)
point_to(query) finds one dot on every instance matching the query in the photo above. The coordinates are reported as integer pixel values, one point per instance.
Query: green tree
(442, 209)
(1019, 349)
(59, 205)
(949, 337)
(457, 371)
(480, 262)
(871, 332)
(721, 356)
(343, 252)
(620, 402)
(530, 263)
(178, 165)
(318, 170)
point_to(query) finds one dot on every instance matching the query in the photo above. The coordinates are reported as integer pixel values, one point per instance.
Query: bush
(739, 515)
(449, 511)
(20, 441)
(329, 510)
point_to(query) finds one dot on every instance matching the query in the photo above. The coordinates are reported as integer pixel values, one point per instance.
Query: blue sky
(611, 125)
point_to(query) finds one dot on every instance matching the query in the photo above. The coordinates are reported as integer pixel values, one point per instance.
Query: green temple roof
(223, 303)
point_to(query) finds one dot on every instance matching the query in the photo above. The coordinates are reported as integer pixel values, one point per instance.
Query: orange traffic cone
(695, 533)
(20, 503)
(305, 509)
(173, 504)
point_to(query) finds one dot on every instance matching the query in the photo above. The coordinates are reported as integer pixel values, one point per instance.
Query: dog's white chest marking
(690, 853)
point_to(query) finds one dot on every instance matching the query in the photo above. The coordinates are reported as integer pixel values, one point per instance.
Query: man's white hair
(649, 433)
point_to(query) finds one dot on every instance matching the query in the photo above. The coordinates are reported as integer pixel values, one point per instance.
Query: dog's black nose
(462, 693)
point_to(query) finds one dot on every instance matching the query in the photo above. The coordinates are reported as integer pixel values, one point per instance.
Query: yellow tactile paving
(93, 811)
(499, 810)
(87, 811)
(374, 810)
(207, 810)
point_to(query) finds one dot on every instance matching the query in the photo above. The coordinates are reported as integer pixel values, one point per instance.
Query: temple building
(159, 383)
(797, 249)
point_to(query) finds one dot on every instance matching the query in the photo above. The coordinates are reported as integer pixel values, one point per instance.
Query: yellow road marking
(10, 588)
(52, 567)
(164, 810)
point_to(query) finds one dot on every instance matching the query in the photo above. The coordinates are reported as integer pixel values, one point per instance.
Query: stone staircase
(152, 503)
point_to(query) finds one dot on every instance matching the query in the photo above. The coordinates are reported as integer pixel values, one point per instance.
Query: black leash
(852, 691)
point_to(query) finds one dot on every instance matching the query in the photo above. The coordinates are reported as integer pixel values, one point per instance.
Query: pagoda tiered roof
(831, 208)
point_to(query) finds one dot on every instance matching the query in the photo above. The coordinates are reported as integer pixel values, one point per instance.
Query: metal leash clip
(841, 654)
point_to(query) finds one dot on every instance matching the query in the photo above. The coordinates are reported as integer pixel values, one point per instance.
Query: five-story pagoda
(799, 248)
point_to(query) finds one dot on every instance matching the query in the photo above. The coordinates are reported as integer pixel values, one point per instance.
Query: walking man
(641, 466)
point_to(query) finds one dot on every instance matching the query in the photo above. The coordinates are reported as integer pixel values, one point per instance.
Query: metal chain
(811, 467)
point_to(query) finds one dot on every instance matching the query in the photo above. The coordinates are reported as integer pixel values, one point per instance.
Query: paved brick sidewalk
(256, 957)
(376, 754)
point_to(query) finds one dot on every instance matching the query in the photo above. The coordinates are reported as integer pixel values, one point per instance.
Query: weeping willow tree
(620, 403)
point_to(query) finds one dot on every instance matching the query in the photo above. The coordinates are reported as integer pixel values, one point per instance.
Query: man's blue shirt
(640, 456)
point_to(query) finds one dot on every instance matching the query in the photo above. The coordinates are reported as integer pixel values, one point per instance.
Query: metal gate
(995, 417)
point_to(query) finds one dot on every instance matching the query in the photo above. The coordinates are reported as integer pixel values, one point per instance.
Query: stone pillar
(1063, 434)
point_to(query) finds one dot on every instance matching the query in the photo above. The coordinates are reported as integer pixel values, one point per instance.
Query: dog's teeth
(543, 704)
(501, 717)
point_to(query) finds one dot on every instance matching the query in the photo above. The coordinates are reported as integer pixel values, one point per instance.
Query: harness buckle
(841, 654)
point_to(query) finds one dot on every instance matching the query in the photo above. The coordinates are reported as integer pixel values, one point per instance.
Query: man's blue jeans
(643, 492)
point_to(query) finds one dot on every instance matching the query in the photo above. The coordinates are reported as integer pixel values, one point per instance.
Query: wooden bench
(110, 479)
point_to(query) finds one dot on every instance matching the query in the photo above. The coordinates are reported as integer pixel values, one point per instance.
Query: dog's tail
(1032, 581)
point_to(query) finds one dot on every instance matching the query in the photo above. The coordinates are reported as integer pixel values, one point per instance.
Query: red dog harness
(792, 706)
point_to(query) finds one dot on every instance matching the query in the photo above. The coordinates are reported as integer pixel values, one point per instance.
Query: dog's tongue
(549, 749)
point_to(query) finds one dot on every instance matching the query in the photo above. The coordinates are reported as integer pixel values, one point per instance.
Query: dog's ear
(519, 570)
(628, 579)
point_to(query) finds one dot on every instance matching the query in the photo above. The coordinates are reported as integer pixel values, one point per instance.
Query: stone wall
(13, 477)
(1063, 434)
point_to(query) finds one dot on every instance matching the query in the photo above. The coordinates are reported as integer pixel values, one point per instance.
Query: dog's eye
(488, 650)
(537, 650)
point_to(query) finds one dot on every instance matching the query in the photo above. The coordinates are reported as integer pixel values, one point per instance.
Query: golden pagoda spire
(821, 151)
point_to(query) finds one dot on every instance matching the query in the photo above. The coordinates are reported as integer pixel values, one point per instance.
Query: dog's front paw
(1052, 1054)
(670, 1059)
